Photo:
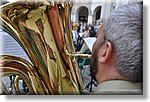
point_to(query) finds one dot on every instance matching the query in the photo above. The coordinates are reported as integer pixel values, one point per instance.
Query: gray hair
(124, 29)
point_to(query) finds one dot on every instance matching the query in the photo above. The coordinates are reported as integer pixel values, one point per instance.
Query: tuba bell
(42, 29)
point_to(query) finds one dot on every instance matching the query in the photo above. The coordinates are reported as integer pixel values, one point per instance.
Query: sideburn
(94, 59)
(94, 64)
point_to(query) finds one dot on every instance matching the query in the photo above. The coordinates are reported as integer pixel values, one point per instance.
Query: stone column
(121, 3)
(108, 7)
(90, 19)
(73, 17)
(103, 10)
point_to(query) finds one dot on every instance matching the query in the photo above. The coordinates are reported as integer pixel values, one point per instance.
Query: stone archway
(97, 13)
(83, 14)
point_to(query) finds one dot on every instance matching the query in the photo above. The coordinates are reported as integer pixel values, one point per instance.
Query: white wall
(107, 7)
(91, 5)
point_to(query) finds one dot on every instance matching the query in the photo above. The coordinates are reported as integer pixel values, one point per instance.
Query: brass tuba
(43, 30)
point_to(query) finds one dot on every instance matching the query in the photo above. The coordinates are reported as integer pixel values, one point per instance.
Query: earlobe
(106, 52)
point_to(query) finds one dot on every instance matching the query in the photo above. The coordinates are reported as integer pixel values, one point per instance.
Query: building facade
(90, 11)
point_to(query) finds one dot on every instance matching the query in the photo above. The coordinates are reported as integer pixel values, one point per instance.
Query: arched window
(83, 14)
(97, 13)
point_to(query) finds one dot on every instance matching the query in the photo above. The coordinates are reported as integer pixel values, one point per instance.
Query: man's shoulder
(118, 87)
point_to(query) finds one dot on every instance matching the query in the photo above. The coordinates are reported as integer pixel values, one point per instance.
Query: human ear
(106, 52)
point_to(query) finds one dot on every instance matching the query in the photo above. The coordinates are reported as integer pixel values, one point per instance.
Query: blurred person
(74, 32)
(92, 32)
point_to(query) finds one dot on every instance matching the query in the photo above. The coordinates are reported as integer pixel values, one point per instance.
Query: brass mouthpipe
(77, 55)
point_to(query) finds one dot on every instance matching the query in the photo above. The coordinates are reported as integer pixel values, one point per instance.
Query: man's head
(117, 52)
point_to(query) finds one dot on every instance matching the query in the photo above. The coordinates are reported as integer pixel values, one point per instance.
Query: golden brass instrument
(48, 43)
(11, 65)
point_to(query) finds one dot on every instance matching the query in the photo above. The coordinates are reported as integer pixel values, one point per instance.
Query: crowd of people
(82, 30)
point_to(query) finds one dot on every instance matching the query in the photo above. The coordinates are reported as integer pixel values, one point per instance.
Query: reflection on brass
(43, 30)
(11, 65)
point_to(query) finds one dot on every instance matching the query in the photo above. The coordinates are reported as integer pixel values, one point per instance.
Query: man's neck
(109, 74)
